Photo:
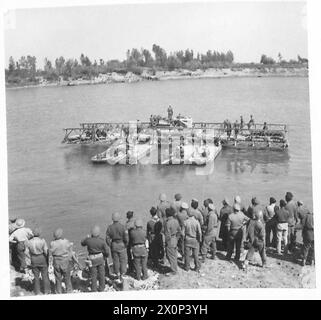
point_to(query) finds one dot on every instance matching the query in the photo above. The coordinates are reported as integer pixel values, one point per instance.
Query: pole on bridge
(170, 148)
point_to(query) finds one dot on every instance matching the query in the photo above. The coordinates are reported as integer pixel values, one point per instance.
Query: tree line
(25, 69)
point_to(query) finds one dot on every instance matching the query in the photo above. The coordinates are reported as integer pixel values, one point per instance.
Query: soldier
(308, 238)
(196, 212)
(225, 211)
(236, 128)
(172, 232)
(228, 129)
(193, 238)
(291, 206)
(181, 217)
(210, 233)
(60, 250)
(155, 239)
(130, 225)
(177, 202)
(117, 239)
(270, 223)
(161, 207)
(241, 122)
(97, 253)
(170, 113)
(204, 211)
(137, 238)
(254, 209)
(38, 250)
(256, 237)
(234, 224)
(251, 122)
(19, 239)
(282, 216)
(238, 200)
(302, 210)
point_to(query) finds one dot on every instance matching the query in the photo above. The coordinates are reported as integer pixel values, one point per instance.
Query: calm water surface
(51, 184)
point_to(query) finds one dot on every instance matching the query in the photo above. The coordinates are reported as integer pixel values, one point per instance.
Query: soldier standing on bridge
(170, 113)
(241, 122)
(251, 122)
(236, 128)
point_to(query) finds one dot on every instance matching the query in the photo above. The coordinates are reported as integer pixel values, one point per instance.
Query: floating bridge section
(274, 137)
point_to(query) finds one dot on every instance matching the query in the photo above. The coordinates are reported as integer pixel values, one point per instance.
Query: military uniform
(176, 205)
(161, 208)
(181, 217)
(155, 240)
(235, 223)
(224, 213)
(308, 237)
(172, 231)
(281, 217)
(61, 253)
(198, 215)
(117, 239)
(38, 250)
(97, 252)
(210, 234)
(292, 220)
(254, 210)
(256, 236)
(137, 240)
(130, 226)
(270, 224)
(193, 237)
(302, 212)
(204, 211)
(19, 238)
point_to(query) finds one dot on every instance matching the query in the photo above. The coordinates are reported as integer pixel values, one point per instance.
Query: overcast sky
(249, 29)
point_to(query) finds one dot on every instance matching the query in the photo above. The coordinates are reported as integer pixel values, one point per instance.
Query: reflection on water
(243, 161)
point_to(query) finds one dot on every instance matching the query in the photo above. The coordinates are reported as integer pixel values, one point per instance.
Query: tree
(302, 60)
(279, 57)
(60, 64)
(266, 60)
(23, 63)
(12, 64)
(160, 56)
(135, 58)
(173, 62)
(229, 57)
(31, 64)
(85, 61)
(188, 55)
(47, 65)
(148, 59)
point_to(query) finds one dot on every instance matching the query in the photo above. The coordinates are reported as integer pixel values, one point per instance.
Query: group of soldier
(177, 231)
(237, 126)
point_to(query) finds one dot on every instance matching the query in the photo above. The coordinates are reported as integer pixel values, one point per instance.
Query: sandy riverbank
(129, 77)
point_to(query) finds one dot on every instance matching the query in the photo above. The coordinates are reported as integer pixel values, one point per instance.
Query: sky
(249, 29)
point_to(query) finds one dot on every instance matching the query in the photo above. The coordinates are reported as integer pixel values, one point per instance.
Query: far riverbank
(129, 77)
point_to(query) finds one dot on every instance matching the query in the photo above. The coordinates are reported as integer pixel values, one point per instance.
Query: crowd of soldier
(176, 231)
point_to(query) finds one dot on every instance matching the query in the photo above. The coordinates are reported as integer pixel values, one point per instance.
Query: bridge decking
(255, 137)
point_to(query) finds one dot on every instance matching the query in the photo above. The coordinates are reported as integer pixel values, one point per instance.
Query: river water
(52, 184)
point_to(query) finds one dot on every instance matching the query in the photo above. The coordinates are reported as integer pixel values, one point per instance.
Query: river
(52, 184)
